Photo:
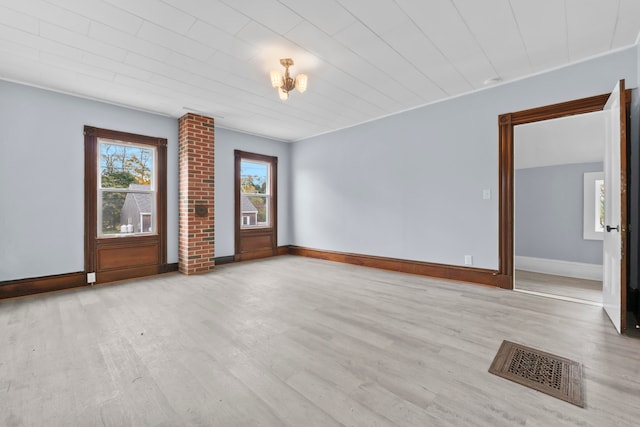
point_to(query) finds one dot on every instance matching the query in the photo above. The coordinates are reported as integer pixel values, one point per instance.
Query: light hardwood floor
(587, 290)
(301, 342)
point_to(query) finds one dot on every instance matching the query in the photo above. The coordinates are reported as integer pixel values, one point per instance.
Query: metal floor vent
(545, 372)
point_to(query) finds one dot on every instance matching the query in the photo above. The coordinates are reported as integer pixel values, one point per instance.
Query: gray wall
(410, 185)
(406, 186)
(226, 142)
(42, 176)
(549, 214)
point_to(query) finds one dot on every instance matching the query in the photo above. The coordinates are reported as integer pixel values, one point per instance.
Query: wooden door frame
(506, 122)
(91, 241)
(272, 231)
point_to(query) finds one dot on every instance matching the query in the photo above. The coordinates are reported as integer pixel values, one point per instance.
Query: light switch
(486, 194)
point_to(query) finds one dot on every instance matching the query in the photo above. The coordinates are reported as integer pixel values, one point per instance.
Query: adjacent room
(559, 221)
(287, 212)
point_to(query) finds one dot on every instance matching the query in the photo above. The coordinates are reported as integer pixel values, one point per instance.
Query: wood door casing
(255, 243)
(506, 122)
(117, 258)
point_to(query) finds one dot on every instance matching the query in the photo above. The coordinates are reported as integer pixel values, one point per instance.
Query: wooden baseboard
(37, 285)
(280, 250)
(169, 268)
(58, 282)
(478, 276)
(283, 250)
(225, 260)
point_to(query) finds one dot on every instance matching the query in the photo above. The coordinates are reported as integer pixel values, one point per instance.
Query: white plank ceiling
(567, 140)
(365, 59)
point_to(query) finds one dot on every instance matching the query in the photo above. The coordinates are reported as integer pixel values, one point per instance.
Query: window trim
(92, 241)
(257, 233)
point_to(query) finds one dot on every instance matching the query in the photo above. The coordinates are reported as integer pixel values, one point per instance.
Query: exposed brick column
(196, 233)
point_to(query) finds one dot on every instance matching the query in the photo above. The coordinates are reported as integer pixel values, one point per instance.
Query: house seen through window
(126, 188)
(254, 194)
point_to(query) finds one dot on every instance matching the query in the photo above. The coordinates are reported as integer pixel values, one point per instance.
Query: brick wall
(196, 217)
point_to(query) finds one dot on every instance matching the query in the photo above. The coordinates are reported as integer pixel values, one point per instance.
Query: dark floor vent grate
(545, 372)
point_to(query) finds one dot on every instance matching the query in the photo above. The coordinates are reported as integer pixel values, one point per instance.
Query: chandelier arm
(287, 80)
(287, 83)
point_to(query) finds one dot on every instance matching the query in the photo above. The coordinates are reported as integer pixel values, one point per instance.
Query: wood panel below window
(256, 243)
(124, 258)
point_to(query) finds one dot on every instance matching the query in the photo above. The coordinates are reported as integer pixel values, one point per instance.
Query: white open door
(615, 155)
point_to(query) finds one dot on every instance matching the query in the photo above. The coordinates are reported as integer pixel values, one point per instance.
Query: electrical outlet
(468, 260)
(91, 277)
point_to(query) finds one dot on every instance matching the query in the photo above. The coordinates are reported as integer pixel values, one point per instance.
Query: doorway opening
(615, 270)
(559, 207)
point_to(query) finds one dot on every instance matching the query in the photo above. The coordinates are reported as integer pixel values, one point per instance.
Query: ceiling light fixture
(286, 83)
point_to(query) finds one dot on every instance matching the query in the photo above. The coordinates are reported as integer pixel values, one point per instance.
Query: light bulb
(301, 82)
(276, 78)
(283, 94)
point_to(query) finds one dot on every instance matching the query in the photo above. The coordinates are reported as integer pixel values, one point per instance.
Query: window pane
(123, 165)
(254, 177)
(145, 220)
(255, 197)
(254, 211)
(125, 213)
(126, 167)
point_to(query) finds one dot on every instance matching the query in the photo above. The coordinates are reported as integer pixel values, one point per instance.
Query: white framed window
(593, 210)
(126, 188)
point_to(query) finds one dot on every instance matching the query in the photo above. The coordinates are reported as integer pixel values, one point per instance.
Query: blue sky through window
(138, 161)
(257, 171)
